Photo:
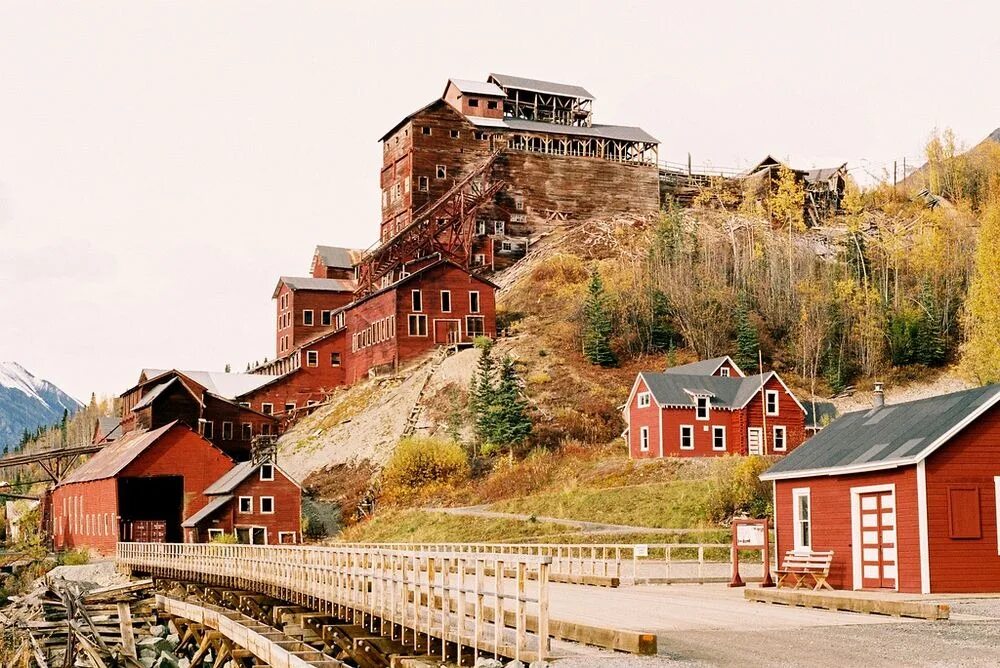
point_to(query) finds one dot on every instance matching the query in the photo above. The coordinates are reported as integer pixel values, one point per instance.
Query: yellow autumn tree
(981, 350)
(787, 202)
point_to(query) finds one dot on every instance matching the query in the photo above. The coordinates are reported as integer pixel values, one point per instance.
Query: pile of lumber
(64, 624)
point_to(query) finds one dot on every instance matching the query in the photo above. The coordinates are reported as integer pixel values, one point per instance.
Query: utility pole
(893, 176)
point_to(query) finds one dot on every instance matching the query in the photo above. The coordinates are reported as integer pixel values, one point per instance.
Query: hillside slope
(27, 402)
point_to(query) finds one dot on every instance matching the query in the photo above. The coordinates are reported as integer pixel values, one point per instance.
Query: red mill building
(555, 163)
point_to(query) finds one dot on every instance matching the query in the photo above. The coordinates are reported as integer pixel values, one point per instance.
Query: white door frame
(856, 493)
(760, 440)
(437, 320)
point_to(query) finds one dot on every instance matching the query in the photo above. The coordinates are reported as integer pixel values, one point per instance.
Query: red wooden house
(257, 501)
(306, 308)
(907, 496)
(334, 262)
(709, 408)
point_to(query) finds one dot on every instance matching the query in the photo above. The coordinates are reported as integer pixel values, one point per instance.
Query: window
(416, 300)
(473, 102)
(481, 136)
(312, 358)
(498, 226)
(265, 429)
(644, 400)
(214, 533)
(207, 429)
(267, 505)
(267, 409)
(481, 227)
(771, 402)
(475, 325)
(687, 437)
(290, 407)
(519, 204)
(474, 302)
(247, 431)
(491, 104)
(478, 259)
(801, 512)
(718, 438)
(267, 472)
(446, 301)
(286, 538)
(246, 505)
(724, 372)
(441, 172)
(644, 439)
(334, 359)
(964, 521)
(701, 408)
(227, 431)
(423, 184)
(426, 130)
(417, 324)
(326, 318)
(778, 440)
(455, 134)
(307, 317)
(506, 247)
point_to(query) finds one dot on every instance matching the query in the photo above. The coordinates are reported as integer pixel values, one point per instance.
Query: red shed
(907, 496)
(139, 487)
(257, 501)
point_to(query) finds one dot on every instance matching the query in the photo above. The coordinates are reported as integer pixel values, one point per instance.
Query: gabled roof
(109, 428)
(337, 257)
(210, 509)
(115, 456)
(538, 86)
(422, 109)
(727, 392)
(420, 272)
(221, 384)
(704, 367)
(236, 475)
(476, 87)
(824, 173)
(315, 284)
(151, 396)
(887, 437)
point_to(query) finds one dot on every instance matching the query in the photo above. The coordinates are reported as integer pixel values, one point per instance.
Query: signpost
(751, 535)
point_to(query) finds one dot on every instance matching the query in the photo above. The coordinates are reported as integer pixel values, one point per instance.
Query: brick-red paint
(286, 518)
(289, 322)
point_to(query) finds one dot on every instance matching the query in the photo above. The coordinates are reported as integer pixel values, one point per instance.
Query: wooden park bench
(799, 566)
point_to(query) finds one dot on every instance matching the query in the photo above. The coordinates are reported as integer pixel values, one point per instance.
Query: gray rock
(158, 630)
(172, 641)
(539, 664)
(514, 664)
(168, 660)
(484, 662)
(147, 661)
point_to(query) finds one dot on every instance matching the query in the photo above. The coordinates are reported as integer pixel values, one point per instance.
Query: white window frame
(312, 358)
(410, 321)
(697, 408)
(335, 356)
(208, 429)
(644, 439)
(212, 533)
(440, 172)
(289, 407)
(643, 400)
(270, 467)
(423, 183)
(312, 317)
(784, 438)
(479, 259)
(724, 372)
(499, 227)
(479, 329)
(455, 134)
(295, 539)
(481, 228)
(326, 318)
(416, 301)
(246, 431)
(427, 130)
(267, 408)
(474, 307)
(690, 430)
(260, 505)
(719, 429)
(443, 293)
(797, 542)
(227, 427)
(239, 505)
(768, 395)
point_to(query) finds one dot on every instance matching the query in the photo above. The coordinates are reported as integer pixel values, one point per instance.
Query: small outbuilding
(907, 496)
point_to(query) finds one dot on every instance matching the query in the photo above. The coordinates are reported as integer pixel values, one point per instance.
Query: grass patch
(679, 504)
(420, 526)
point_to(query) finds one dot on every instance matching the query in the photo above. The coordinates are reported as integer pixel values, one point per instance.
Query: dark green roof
(887, 437)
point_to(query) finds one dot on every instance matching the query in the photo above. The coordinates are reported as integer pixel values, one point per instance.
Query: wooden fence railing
(664, 562)
(489, 603)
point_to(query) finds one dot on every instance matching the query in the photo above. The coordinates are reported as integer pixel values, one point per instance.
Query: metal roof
(115, 456)
(887, 437)
(538, 86)
(213, 506)
(824, 173)
(221, 384)
(232, 479)
(703, 367)
(153, 393)
(478, 87)
(109, 428)
(679, 389)
(337, 257)
(316, 284)
(622, 132)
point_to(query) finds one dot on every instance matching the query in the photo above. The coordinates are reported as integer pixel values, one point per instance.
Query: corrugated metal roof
(109, 428)
(622, 132)
(702, 367)
(478, 87)
(213, 506)
(339, 258)
(539, 86)
(225, 385)
(318, 284)
(115, 456)
(232, 478)
(482, 122)
(153, 393)
(887, 437)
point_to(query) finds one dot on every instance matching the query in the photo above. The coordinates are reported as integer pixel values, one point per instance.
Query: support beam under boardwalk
(872, 603)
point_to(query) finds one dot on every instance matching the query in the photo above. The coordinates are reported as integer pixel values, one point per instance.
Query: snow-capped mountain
(27, 402)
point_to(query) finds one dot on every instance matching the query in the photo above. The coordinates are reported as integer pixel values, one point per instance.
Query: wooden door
(446, 331)
(878, 540)
(755, 436)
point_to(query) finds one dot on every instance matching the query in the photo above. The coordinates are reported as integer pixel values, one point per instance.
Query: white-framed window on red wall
(771, 402)
(701, 407)
(644, 439)
(687, 437)
(802, 519)
(474, 301)
(643, 400)
(779, 438)
(718, 438)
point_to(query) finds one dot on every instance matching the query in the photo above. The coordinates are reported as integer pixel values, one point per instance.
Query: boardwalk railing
(626, 562)
(489, 603)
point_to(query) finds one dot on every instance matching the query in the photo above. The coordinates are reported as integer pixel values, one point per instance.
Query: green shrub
(736, 488)
(77, 557)
(421, 466)
(225, 539)
(481, 342)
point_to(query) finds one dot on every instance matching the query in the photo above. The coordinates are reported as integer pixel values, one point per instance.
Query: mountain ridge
(28, 402)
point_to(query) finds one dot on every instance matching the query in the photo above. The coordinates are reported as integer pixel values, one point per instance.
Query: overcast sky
(162, 163)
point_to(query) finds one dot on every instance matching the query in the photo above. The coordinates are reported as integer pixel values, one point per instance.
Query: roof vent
(878, 395)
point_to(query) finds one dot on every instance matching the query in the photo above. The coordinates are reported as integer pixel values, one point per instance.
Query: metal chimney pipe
(878, 395)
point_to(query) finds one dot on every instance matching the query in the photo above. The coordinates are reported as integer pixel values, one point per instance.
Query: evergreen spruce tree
(661, 332)
(481, 394)
(597, 324)
(747, 341)
(511, 425)
(930, 346)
